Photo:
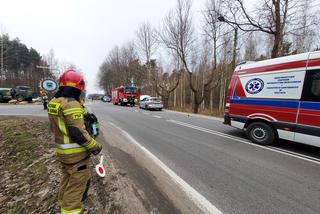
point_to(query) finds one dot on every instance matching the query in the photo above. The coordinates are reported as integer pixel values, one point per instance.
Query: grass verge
(25, 160)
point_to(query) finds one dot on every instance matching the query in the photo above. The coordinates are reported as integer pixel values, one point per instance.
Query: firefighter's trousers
(74, 185)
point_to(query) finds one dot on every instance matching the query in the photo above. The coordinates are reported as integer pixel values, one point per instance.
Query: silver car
(150, 103)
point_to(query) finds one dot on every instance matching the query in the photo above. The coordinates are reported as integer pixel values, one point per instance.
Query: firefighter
(44, 101)
(74, 143)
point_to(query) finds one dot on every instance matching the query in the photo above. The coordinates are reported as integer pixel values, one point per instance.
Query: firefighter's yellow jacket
(66, 117)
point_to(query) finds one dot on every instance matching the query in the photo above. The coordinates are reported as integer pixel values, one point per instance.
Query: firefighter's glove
(97, 149)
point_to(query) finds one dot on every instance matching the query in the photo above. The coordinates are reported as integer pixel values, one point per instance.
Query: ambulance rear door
(308, 119)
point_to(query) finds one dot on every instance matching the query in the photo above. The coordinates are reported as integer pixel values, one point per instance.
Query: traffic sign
(48, 85)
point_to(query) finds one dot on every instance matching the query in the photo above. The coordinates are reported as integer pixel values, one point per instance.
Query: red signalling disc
(100, 170)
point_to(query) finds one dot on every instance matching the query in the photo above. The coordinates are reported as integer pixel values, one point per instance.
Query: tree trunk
(195, 107)
(221, 91)
(165, 101)
(211, 101)
(202, 91)
(195, 103)
(235, 41)
(174, 94)
(181, 92)
(276, 45)
(277, 32)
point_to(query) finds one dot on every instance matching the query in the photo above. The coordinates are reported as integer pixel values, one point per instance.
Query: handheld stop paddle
(100, 169)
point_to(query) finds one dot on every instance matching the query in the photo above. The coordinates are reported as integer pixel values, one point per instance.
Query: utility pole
(235, 44)
(235, 39)
(1, 56)
(225, 81)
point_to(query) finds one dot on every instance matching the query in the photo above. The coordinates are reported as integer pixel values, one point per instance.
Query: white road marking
(295, 153)
(146, 113)
(281, 151)
(203, 204)
(156, 116)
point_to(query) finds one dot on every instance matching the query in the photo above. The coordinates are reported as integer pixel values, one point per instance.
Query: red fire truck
(125, 95)
(277, 98)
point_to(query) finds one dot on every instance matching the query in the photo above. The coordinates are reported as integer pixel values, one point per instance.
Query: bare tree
(177, 35)
(213, 26)
(305, 35)
(250, 48)
(146, 42)
(272, 18)
(120, 67)
(213, 30)
(166, 84)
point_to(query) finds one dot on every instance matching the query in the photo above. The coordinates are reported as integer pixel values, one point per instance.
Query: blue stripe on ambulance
(278, 103)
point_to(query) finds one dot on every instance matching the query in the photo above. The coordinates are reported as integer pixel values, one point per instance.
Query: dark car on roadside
(5, 95)
(23, 93)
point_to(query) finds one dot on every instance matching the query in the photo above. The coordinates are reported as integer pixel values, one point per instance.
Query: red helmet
(73, 79)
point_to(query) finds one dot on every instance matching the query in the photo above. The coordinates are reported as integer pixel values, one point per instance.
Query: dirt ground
(30, 175)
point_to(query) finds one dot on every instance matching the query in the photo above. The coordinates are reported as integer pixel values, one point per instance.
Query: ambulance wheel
(261, 133)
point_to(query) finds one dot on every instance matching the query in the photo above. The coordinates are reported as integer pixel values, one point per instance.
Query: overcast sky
(81, 31)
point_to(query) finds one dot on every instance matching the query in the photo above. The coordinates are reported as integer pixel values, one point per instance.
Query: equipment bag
(92, 124)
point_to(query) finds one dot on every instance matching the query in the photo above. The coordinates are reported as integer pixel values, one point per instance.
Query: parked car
(5, 94)
(106, 98)
(23, 93)
(150, 103)
(143, 96)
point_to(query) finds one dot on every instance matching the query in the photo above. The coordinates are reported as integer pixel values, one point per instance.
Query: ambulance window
(311, 91)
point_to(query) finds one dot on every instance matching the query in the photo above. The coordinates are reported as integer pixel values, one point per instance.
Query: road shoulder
(170, 188)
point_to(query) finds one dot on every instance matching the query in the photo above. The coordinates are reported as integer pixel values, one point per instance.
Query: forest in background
(23, 66)
(190, 64)
(18, 64)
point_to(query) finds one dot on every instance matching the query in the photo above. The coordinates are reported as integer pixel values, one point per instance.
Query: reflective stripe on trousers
(75, 211)
(68, 146)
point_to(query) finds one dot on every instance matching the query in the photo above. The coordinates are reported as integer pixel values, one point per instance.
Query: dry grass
(26, 181)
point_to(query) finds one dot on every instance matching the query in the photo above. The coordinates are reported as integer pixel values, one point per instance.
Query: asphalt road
(218, 161)
(22, 110)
